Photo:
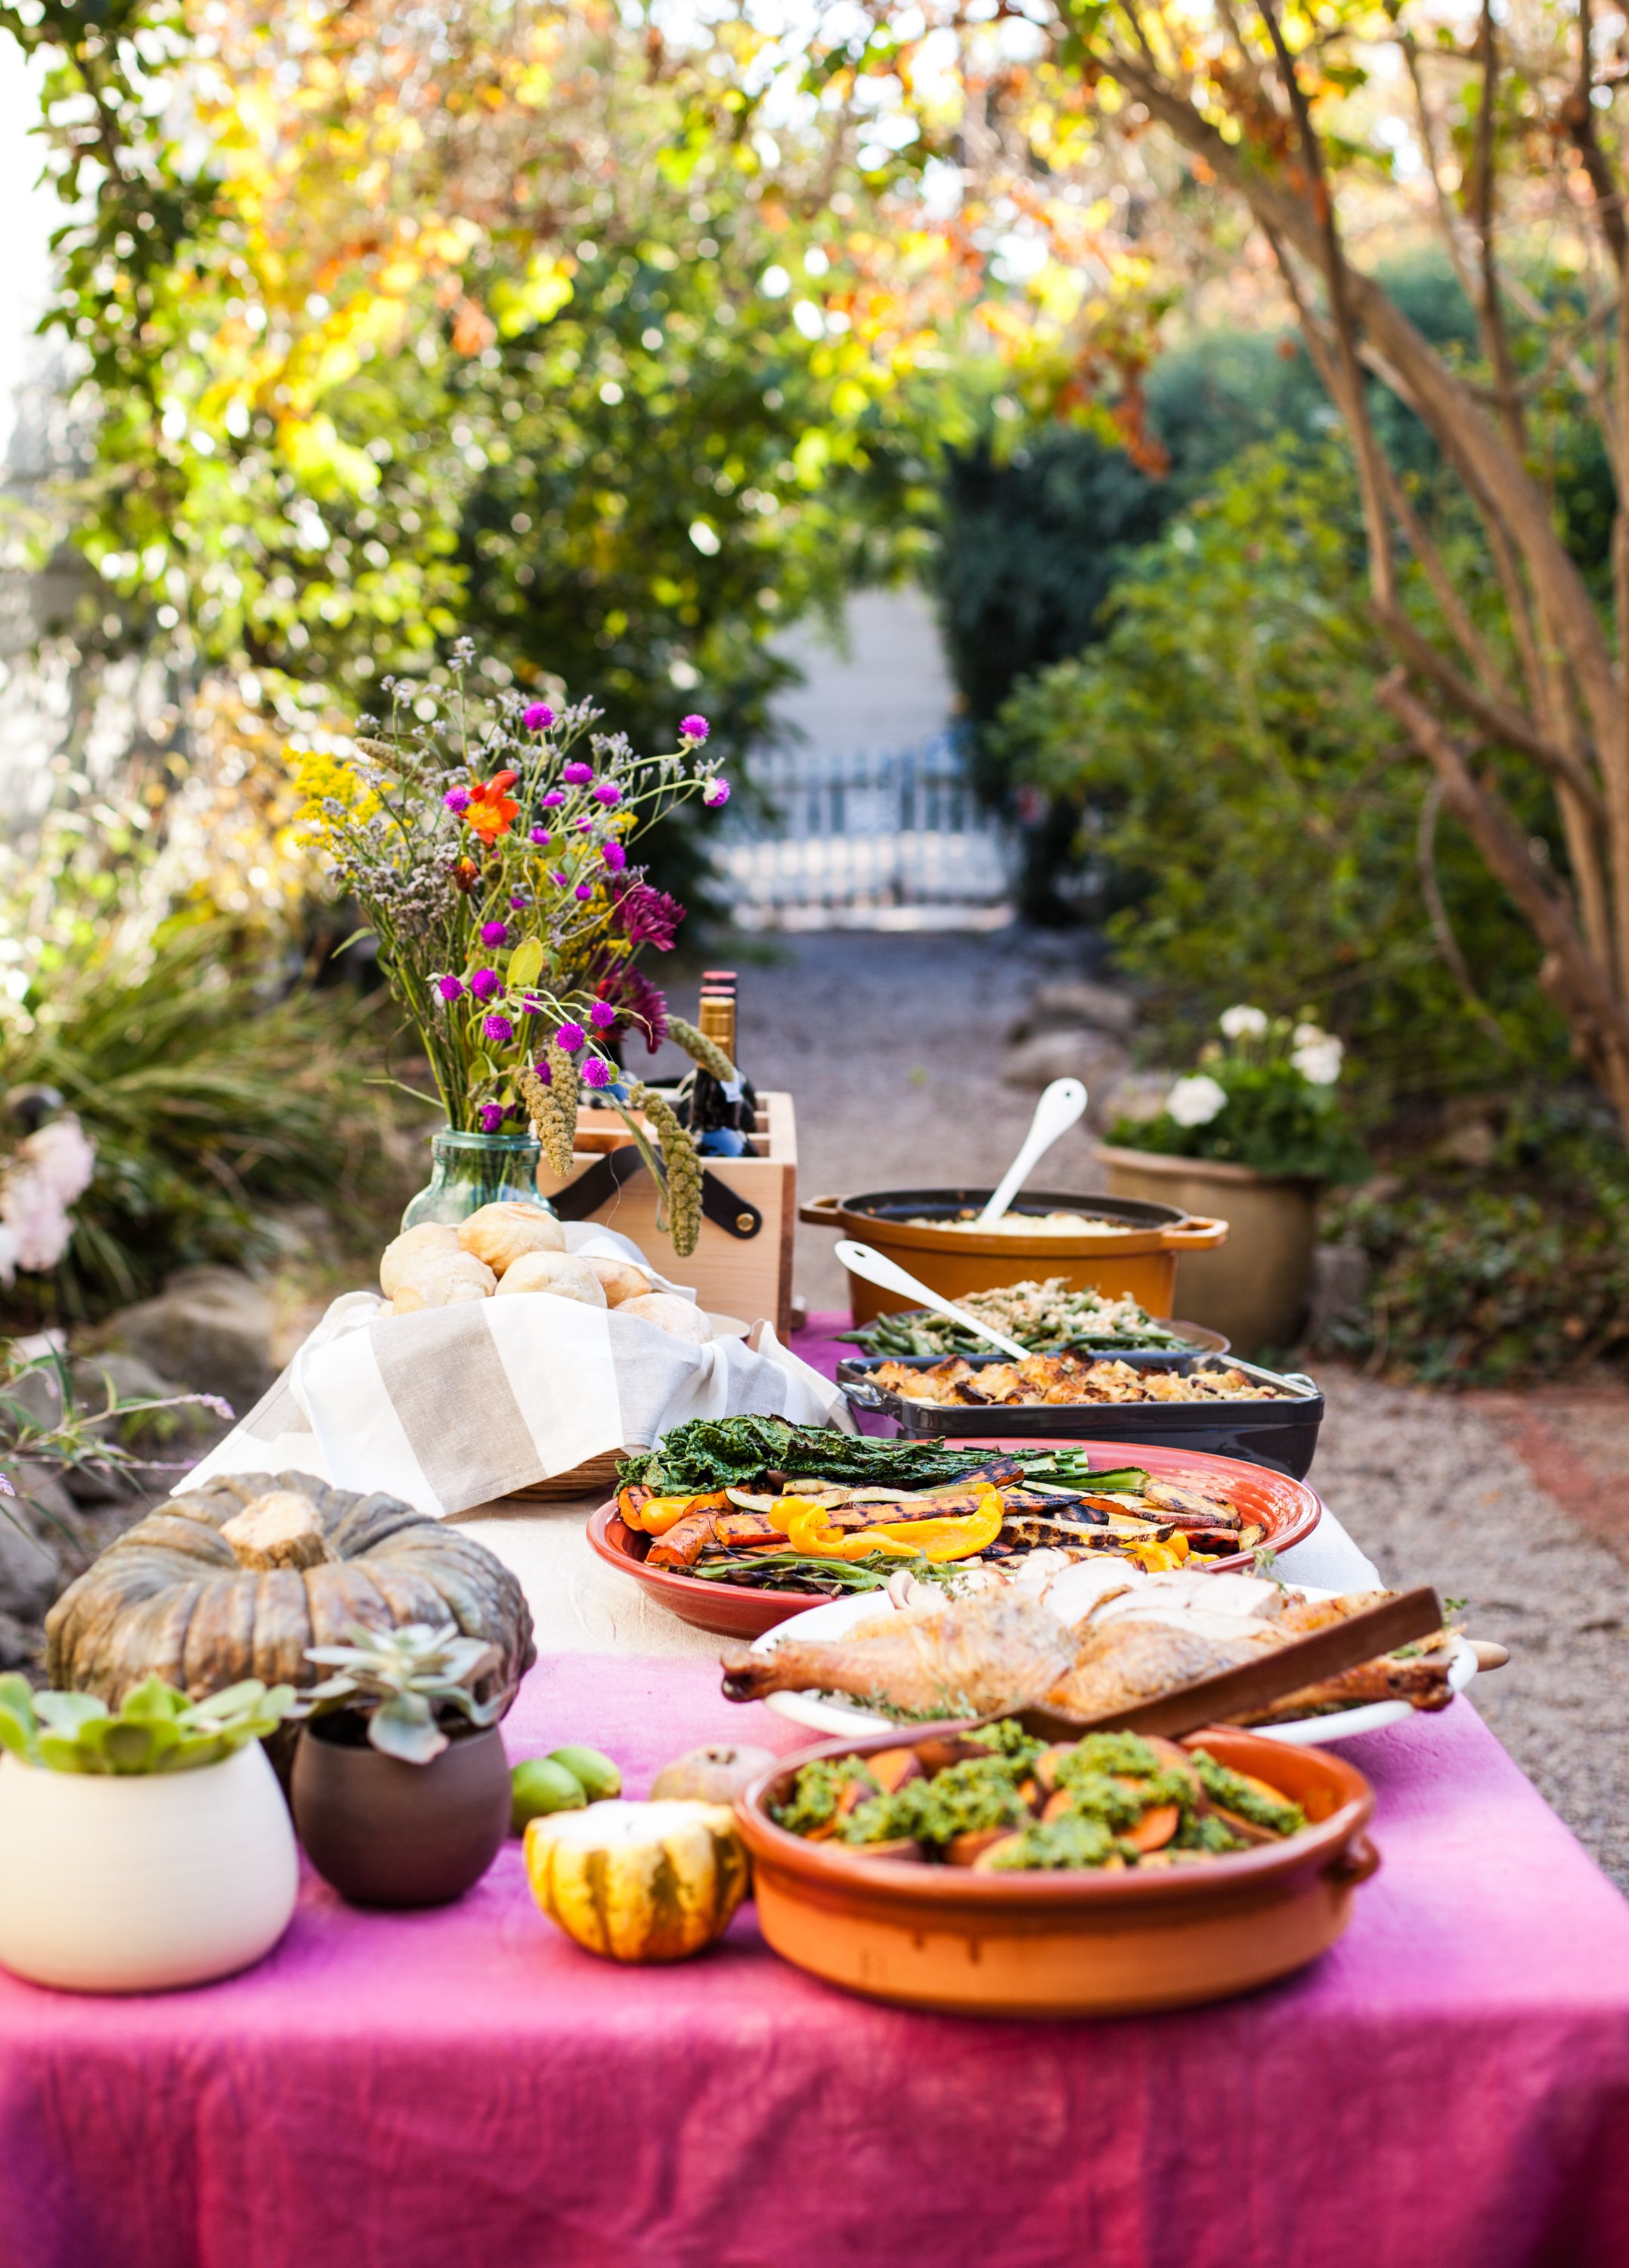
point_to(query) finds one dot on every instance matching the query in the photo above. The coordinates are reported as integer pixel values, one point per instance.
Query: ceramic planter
(133, 1885)
(385, 1833)
(1255, 1286)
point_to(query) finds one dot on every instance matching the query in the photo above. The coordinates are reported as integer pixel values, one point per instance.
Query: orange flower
(492, 810)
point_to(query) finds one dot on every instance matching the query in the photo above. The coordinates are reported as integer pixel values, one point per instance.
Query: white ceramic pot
(132, 1885)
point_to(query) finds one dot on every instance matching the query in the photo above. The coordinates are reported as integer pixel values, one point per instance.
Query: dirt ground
(1515, 1503)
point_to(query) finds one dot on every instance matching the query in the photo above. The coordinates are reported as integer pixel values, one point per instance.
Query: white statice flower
(1317, 1055)
(1244, 1024)
(1195, 1101)
(50, 1170)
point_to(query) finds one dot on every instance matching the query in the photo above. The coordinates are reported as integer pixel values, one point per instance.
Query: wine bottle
(721, 1113)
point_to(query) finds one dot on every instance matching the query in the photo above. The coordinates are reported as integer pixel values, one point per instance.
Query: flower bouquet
(1262, 1096)
(487, 843)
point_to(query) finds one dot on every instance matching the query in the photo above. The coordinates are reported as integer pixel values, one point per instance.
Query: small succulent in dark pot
(401, 1786)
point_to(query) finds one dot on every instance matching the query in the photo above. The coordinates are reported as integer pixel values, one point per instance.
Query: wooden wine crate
(735, 1274)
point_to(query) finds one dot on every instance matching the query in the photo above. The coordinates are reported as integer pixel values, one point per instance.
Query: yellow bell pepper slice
(807, 1533)
(659, 1513)
(960, 1538)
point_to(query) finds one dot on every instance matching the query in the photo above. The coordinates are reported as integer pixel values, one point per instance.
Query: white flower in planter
(1317, 1055)
(1195, 1101)
(1240, 1024)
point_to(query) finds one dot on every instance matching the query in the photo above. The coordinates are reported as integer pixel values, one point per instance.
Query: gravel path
(893, 1046)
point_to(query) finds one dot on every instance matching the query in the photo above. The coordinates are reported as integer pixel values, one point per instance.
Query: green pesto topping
(1009, 1739)
(815, 1791)
(1235, 1793)
(1051, 1843)
(1209, 1834)
(965, 1798)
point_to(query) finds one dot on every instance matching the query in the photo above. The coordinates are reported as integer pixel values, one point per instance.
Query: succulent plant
(403, 1680)
(157, 1729)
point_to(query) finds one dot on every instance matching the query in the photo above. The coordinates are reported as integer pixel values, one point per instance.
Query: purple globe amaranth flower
(615, 857)
(563, 877)
(596, 1073)
(694, 728)
(585, 825)
(649, 917)
(571, 1037)
(716, 794)
(457, 799)
(584, 891)
(603, 1015)
(486, 982)
(450, 988)
(578, 775)
(543, 1072)
(492, 1114)
(538, 718)
(607, 792)
(519, 902)
(497, 1029)
(541, 836)
(494, 932)
(553, 800)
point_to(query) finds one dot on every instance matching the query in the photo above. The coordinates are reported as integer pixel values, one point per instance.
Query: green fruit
(598, 1776)
(540, 1785)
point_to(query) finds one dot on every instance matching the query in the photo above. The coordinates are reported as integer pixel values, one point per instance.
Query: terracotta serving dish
(730, 1612)
(1084, 1944)
(1137, 1257)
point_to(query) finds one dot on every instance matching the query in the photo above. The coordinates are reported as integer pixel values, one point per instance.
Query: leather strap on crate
(597, 1184)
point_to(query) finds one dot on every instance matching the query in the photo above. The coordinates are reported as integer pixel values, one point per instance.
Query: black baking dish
(1281, 1433)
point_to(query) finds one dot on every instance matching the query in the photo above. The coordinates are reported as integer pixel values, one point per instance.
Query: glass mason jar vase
(471, 1170)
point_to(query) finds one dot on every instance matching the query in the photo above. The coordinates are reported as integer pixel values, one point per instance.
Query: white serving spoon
(860, 1260)
(1056, 1113)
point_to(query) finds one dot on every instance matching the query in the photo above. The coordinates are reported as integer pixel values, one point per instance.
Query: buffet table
(1450, 2085)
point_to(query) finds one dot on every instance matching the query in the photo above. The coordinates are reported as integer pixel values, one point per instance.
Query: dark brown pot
(389, 1834)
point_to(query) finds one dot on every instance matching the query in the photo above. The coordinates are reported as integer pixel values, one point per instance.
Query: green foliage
(1502, 1272)
(210, 1078)
(1248, 812)
(47, 1420)
(157, 1728)
(1273, 1122)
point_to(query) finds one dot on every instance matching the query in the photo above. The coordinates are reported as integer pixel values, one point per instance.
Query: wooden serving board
(1231, 1693)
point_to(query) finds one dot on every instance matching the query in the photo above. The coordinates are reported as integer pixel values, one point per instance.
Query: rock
(31, 1572)
(1340, 1283)
(1090, 1056)
(19, 1646)
(1077, 1004)
(210, 1329)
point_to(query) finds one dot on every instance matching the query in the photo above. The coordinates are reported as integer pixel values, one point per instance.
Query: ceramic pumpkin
(639, 1881)
(237, 1578)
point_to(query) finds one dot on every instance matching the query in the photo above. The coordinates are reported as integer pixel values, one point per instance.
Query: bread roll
(413, 1245)
(558, 1272)
(621, 1278)
(499, 1233)
(442, 1280)
(670, 1314)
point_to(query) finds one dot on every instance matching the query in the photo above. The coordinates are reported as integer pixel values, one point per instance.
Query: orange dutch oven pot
(1134, 1256)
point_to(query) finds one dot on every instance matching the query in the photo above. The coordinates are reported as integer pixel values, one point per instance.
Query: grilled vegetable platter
(1049, 1318)
(757, 1504)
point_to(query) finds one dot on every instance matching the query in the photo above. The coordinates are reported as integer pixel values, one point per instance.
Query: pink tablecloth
(1449, 2088)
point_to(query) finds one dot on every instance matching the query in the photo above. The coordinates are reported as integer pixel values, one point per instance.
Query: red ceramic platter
(1288, 1510)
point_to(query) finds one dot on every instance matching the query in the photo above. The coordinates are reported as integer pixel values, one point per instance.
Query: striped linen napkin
(454, 1406)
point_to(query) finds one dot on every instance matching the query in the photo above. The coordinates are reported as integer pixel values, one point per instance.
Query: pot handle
(862, 1397)
(1355, 1864)
(1199, 1233)
(822, 1212)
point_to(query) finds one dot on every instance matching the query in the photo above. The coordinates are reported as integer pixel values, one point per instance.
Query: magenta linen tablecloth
(1448, 2088)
